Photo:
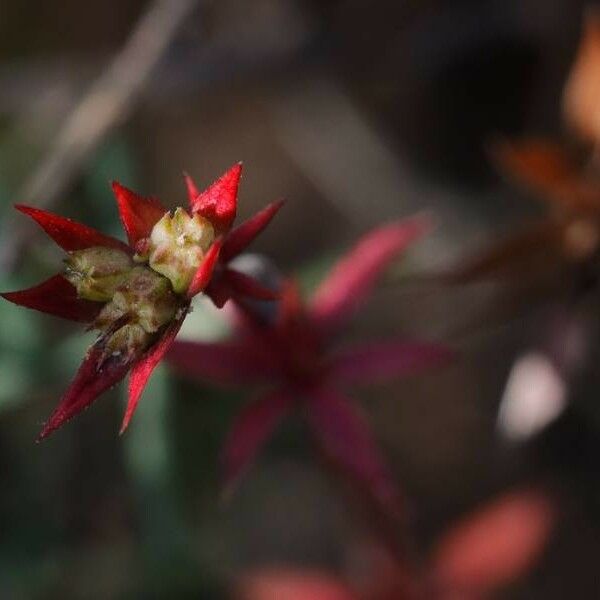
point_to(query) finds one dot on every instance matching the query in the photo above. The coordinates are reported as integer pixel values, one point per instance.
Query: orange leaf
(548, 170)
(581, 99)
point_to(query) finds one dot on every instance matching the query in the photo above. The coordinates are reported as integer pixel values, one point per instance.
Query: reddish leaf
(346, 437)
(355, 274)
(250, 431)
(496, 545)
(243, 235)
(56, 296)
(292, 585)
(205, 270)
(223, 363)
(384, 360)
(218, 203)
(69, 234)
(244, 285)
(548, 170)
(138, 214)
(96, 375)
(141, 371)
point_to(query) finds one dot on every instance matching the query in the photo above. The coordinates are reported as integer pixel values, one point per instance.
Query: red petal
(241, 237)
(205, 270)
(290, 303)
(69, 234)
(222, 363)
(244, 285)
(495, 545)
(56, 296)
(250, 431)
(383, 360)
(346, 437)
(95, 376)
(355, 274)
(218, 203)
(138, 214)
(219, 291)
(141, 371)
(192, 190)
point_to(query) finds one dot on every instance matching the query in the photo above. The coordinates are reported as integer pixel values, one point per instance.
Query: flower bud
(177, 246)
(97, 272)
(145, 298)
(127, 342)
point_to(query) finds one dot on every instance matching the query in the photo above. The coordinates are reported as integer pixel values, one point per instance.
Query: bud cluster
(144, 293)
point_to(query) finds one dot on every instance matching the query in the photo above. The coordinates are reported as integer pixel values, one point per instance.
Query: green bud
(97, 272)
(127, 342)
(143, 297)
(177, 245)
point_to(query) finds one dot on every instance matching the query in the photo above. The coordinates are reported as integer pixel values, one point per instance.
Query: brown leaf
(532, 250)
(548, 170)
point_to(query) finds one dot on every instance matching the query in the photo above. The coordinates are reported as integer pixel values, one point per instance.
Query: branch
(108, 103)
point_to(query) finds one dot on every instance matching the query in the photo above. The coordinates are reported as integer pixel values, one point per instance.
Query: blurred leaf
(313, 272)
(495, 545)
(582, 92)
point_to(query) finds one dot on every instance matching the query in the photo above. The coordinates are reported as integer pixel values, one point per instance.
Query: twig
(108, 102)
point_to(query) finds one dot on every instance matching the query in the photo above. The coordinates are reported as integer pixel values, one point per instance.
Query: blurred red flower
(292, 353)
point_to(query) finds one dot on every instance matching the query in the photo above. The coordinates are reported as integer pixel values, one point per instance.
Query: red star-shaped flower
(293, 354)
(138, 294)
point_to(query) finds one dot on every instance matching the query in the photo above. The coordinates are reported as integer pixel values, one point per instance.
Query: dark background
(356, 112)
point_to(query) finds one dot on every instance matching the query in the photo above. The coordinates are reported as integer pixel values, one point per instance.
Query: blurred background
(357, 113)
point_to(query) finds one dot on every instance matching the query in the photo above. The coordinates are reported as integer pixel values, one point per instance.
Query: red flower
(293, 353)
(138, 294)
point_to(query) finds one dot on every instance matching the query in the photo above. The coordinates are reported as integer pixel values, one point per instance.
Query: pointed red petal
(205, 270)
(241, 237)
(250, 431)
(69, 234)
(192, 190)
(56, 296)
(138, 214)
(244, 285)
(290, 303)
(141, 371)
(352, 278)
(227, 363)
(496, 545)
(384, 360)
(219, 291)
(346, 437)
(218, 203)
(95, 375)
